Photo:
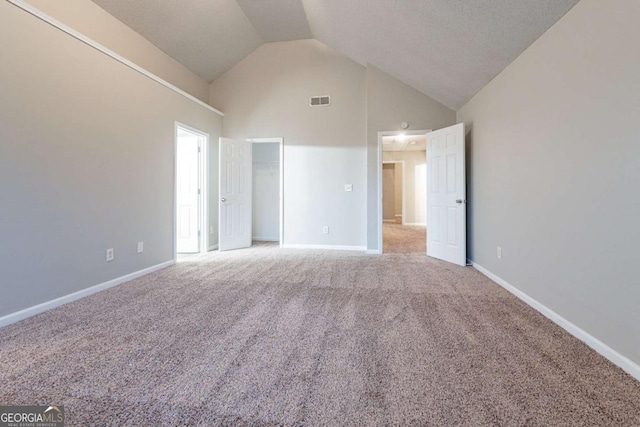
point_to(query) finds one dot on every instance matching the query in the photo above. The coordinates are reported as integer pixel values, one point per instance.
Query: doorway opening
(404, 192)
(266, 189)
(191, 213)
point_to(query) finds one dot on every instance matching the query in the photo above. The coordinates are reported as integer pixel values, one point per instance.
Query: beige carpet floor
(265, 337)
(404, 239)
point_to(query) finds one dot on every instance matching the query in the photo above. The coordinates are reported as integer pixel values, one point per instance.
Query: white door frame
(380, 159)
(203, 210)
(280, 141)
(404, 205)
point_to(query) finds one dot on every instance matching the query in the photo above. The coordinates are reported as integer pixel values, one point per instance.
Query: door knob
(458, 200)
(224, 199)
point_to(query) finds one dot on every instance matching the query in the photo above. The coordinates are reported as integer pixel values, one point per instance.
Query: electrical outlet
(499, 252)
(140, 247)
(110, 255)
(325, 229)
(348, 187)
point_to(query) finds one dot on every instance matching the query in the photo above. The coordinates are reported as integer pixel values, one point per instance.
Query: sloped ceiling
(447, 49)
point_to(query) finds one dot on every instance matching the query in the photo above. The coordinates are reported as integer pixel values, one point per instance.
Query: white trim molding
(94, 44)
(265, 239)
(45, 306)
(421, 224)
(327, 247)
(213, 247)
(603, 349)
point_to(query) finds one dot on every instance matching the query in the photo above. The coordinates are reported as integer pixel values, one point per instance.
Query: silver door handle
(458, 200)
(224, 199)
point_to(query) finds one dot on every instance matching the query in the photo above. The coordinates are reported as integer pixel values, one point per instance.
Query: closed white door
(235, 194)
(188, 195)
(446, 195)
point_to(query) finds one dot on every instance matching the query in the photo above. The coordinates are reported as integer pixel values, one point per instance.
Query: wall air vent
(320, 101)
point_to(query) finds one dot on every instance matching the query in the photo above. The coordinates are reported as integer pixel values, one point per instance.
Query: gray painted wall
(86, 163)
(554, 167)
(267, 95)
(389, 103)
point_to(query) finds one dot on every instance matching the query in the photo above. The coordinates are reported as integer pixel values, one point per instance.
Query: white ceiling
(404, 143)
(447, 49)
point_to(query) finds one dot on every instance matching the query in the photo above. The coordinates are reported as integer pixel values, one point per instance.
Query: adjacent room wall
(415, 186)
(86, 163)
(554, 167)
(267, 95)
(91, 20)
(389, 194)
(389, 103)
(399, 176)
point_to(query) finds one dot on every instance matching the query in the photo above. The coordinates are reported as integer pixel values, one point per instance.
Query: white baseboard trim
(329, 247)
(41, 308)
(607, 352)
(213, 247)
(422, 224)
(266, 239)
(374, 252)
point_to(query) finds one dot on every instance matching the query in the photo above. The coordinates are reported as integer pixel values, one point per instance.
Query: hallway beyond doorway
(405, 239)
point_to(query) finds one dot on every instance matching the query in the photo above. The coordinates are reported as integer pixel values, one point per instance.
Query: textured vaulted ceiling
(447, 49)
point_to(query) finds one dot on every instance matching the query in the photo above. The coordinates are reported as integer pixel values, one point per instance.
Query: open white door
(446, 195)
(235, 194)
(188, 194)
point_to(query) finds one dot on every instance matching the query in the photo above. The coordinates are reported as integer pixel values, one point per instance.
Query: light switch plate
(348, 187)
(140, 247)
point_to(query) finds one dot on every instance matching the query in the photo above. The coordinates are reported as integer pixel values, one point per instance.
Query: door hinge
(198, 191)
(199, 148)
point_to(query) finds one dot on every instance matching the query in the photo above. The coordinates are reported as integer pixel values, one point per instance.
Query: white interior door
(235, 194)
(446, 195)
(188, 194)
